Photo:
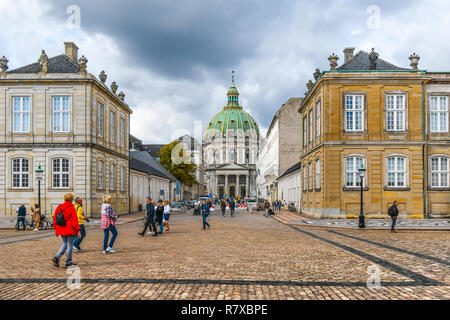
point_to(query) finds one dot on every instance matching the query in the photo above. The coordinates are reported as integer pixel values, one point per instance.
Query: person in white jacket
(166, 214)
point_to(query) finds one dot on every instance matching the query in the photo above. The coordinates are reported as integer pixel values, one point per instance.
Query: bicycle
(28, 223)
(45, 223)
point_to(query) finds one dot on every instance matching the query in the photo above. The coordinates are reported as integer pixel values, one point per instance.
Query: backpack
(59, 220)
(391, 211)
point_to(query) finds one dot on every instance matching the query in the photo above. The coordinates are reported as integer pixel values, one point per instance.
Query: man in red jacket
(68, 232)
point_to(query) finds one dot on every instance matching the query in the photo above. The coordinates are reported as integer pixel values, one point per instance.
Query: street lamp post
(39, 173)
(362, 172)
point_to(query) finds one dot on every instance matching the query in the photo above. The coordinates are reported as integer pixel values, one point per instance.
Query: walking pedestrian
(21, 214)
(166, 214)
(205, 214)
(159, 212)
(81, 218)
(232, 206)
(393, 212)
(36, 216)
(223, 206)
(65, 223)
(108, 224)
(149, 218)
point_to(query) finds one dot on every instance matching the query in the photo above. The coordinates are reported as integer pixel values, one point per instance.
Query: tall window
(21, 114)
(100, 174)
(305, 172)
(112, 176)
(352, 164)
(439, 114)
(396, 172)
(60, 173)
(112, 126)
(395, 113)
(100, 119)
(232, 155)
(20, 173)
(318, 107)
(318, 174)
(122, 132)
(247, 156)
(122, 179)
(305, 131)
(440, 172)
(310, 176)
(61, 114)
(216, 156)
(311, 128)
(354, 113)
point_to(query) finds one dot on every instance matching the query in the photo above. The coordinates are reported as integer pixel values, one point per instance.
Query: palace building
(391, 121)
(58, 118)
(230, 148)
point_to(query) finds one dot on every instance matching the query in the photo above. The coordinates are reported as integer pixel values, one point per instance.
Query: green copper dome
(232, 117)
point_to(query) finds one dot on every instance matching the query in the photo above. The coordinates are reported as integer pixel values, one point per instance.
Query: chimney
(71, 51)
(348, 54)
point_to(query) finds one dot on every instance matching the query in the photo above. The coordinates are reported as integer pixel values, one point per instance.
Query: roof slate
(361, 62)
(147, 159)
(57, 64)
(292, 169)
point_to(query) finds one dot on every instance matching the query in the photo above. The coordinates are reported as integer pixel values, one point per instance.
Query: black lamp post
(39, 173)
(362, 172)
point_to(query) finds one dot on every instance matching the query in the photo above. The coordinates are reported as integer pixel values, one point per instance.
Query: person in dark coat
(21, 214)
(223, 206)
(393, 212)
(159, 214)
(205, 214)
(232, 206)
(149, 218)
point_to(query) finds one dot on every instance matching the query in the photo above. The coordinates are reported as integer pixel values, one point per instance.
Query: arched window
(232, 155)
(216, 156)
(247, 156)
(396, 171)
(440, 172)
(352, 164)
(20, 173)
(60, 172)
(100, 174)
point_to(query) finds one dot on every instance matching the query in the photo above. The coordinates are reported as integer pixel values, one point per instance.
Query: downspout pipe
(424, 160)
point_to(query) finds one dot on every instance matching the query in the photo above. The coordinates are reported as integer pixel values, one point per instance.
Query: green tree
(180, 165)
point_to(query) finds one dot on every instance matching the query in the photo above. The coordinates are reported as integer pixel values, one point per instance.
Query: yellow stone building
(393, 121)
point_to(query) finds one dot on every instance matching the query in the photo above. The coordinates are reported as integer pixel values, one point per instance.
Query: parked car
(190, 204)
(178, 206)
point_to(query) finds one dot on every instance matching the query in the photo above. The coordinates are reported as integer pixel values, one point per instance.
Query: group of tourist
(22, 213)
(231, 203)
(68, 222)
(156, 214)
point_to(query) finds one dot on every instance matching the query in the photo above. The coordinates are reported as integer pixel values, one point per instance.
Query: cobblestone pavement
(245, 257)
(382, 224)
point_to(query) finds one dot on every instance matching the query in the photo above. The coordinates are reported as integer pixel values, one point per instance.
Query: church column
(216, 187)
(237, 186)
(226, 186)
(247, 187)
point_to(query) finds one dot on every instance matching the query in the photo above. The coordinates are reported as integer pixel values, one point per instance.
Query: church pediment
(231, 166)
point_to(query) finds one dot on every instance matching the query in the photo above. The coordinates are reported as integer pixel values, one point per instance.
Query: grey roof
(57, 64)
(143, 167)
(292, 169)
(153, 149)
(146, 158)
(361, 62)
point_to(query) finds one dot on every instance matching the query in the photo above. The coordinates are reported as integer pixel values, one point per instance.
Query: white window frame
(355, 180)
(311, 125)
(21, 173)
(440, 172)
(440, 111)
(310, 176)
(100, 174)
(305, 131)
(318, 118)
(100, 119)
(21, 114)
(395, 112)
(112, 126)
(396, 172)
(60, 173)
(61, 112)
(318, 184)
(122, 132)
(305, 172)
(351, 108)
(122, 178)
(112, 176)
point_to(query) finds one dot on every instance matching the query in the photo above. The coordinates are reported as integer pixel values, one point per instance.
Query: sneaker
(35, 229)
(104, 252)
(149, 232)
(55, 261)
(110, 250)
(141, 234)
(76, 249)
(70, 264)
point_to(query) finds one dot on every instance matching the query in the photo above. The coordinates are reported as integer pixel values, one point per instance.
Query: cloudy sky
(173, 58)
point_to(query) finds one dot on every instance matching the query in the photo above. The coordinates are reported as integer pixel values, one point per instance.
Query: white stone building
(289, 185)
(56, 115)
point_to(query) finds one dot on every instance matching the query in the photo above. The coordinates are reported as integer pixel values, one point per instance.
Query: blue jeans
(205, 223)
(20, 219)
(77, 241)
(394, 221)
(113, 238)
(67, 244)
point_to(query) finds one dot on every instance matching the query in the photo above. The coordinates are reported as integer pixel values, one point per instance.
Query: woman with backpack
(65, 223)
(108, 224)
(166, 214)
(159, 212)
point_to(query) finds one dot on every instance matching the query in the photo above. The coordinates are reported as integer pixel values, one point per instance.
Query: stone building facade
(55, 114)
(369, 112)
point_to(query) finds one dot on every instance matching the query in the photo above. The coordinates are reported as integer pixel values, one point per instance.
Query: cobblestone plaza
(244, 257)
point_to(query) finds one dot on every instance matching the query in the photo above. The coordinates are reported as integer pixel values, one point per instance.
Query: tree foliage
(180, 165)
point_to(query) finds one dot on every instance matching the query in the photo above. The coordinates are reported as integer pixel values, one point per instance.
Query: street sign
(178, 191)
